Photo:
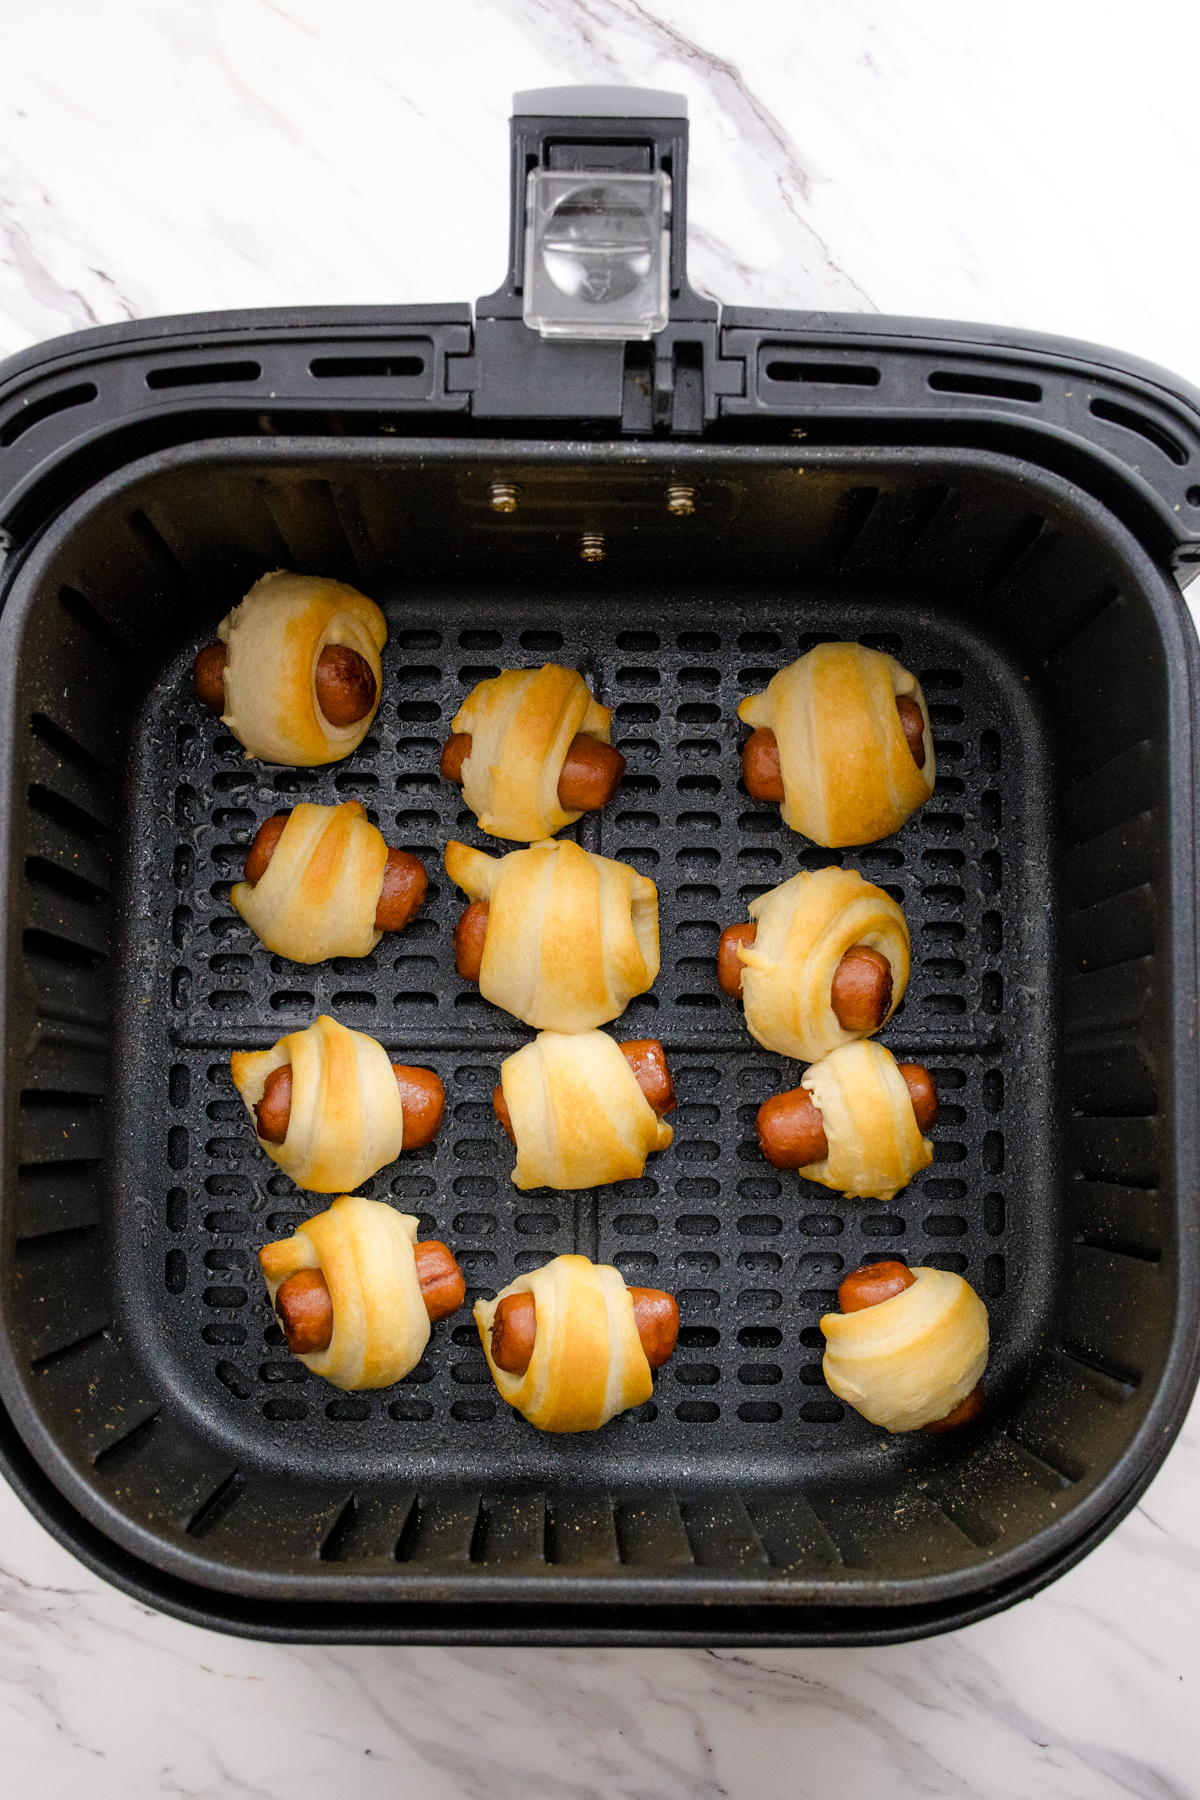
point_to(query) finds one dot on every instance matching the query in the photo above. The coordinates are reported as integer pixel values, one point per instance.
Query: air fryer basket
(1008, 514)
(1049, 886)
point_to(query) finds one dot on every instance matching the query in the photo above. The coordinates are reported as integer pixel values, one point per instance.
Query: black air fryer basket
(677, 516)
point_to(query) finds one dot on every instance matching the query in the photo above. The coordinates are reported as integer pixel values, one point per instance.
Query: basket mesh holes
(712, 1217)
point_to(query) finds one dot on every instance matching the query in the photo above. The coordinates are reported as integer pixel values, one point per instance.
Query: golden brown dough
(365, 1251)
(849, 776)
(347, 1118)
(805, 926)
(571, 936)
(588, 1363)
(319, 893)
(579, 1117)
(875, 1144)
(274, 641)
(521, 723)
(912, 1360)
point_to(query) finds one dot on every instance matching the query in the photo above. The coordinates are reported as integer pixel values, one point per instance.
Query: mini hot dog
(646, 1057)
(760, 753)
(345, 684)
(422, 1100)
(872, 1285)
(514, 1328)
(860, 992)
(791, 1130)
(404, 879)
(305, 1305)
(591, 771)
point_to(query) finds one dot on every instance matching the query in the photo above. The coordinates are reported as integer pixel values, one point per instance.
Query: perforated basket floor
(753, 1256)
(203, 1446)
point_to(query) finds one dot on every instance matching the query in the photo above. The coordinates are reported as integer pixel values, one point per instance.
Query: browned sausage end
(647, 1058)
(469, 936)
(591, 774)
(208, 676)
(405, 884)
(455, 752)
(913, 721)
(422, 1103)
(760, 765)
(346, 687)
(791, 1131)
(861, 990)
(873, 1284)
(729, 966)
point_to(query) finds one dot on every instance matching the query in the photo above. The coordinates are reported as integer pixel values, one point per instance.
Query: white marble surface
(1031, 164)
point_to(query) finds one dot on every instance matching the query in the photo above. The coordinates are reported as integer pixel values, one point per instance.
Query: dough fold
(579, 1117)
(365, 1251)
(911, 1359)
(347, 1121)
(318, 896)
(805, 927)
(521, 724)
(875, 1144)
(571, 936)
(848, 773)
(587, 1362)
(273, 641)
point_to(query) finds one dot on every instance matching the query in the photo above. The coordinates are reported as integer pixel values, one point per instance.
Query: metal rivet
(503, 496)
(592, 547)
(681, 501)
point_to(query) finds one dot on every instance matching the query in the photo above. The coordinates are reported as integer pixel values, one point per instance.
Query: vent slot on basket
(993, 387)
(34, 411)
(828, 374)
(1150, 429)
(179, 375)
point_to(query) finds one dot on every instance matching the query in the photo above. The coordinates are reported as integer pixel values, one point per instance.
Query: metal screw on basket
(503, 496)
(592, 547)
(681, 501)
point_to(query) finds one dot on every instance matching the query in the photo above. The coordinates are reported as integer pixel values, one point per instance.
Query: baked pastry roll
(910, 1361)
(318, 895)
(875, 1146)
(521, 723)
(588, 1362)
(276, 669)
(347, 1117)
(579, 1117)
(571, 937)
(365, 1252)
(804, 929)
(848, 772)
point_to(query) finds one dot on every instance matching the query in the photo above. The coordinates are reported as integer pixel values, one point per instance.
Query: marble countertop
(1033, 165)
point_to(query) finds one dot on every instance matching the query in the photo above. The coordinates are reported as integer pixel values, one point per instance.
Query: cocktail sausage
(344, 680)
(422, 1101)
(305, 1307)
(405, 882)
(591, 771)
(514, 1328)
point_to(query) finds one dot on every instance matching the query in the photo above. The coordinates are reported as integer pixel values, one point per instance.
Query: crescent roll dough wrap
(875, 1145)
(273, 642)
(805, 927)
(578, 1115)
(521, 724)
(571, 936)
(587, 1362)
(318, 896)
(347, 1120)
(911, 1359)
(364, 1249)
(848, 773)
